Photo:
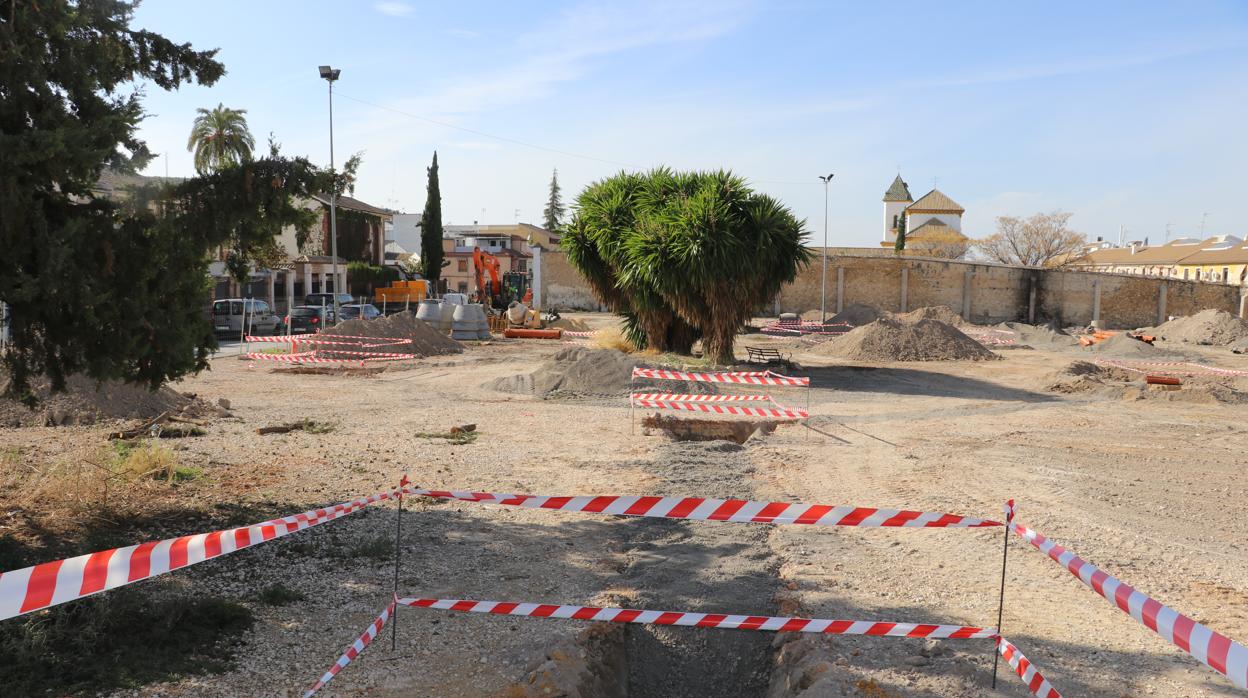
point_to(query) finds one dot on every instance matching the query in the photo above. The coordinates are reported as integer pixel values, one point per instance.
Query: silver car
(229, 315)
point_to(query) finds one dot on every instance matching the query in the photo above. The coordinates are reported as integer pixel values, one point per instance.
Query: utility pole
(331, 74)
(1203, 216)
(1168, 227)
(823, 281)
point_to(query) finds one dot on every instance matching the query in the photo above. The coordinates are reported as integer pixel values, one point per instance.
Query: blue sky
(1124, 113)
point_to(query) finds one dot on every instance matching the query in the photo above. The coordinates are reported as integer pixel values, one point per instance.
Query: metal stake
(398, 532)
(1005, 551)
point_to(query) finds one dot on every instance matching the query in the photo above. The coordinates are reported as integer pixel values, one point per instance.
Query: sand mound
(1121, 346)
(933, 312)
(1216, 327)
(889, 339)
(570, 324)
(1040, 336)
(1083, 377)
(426, 341)
(585, 372)
(857, 315)
(83, 402)
(1240, 347)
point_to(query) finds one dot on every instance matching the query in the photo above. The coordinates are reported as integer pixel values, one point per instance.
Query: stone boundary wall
(982, 293)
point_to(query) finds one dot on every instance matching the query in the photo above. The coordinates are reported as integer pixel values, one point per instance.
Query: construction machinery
(491, 294)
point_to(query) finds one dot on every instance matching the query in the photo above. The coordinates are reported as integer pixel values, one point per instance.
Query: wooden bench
(760, 355)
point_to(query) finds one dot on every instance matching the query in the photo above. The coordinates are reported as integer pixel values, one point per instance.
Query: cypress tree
(901, 234)
(431, 228)
(552, 215)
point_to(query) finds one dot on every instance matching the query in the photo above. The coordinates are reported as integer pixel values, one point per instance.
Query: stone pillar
(1031, 299)
(966, 293)
(290, 290)
(1161, 303)
(1243, 303)
(537, 277)
(840, 289)
(905, 288)
(340, 284)
(272, 297)
(307, 279)
(1096, 303)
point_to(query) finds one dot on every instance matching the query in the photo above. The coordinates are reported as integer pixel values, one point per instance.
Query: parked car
(366, 310)
(327, 299)
(229, 316)
(309, 319)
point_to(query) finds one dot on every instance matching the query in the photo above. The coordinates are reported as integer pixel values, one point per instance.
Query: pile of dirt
(1083, 377)
(1123, 346)
(1214, 327)
(933, 312)
(570, 324)
(1240, 347)
(426, 341)
(857, 314)
(85, 401)
(1040, 336)
(890, 339)
(575, 370)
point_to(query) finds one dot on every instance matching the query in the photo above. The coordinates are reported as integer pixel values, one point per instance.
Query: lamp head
(329, 73)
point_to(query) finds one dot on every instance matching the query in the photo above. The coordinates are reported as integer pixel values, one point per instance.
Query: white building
(934, 213)
(405, 232)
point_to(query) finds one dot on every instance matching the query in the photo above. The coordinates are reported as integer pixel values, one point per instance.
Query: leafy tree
(1040, 241)
(113, 289)
(219, 138)
(552, 215)
(682, 255)
(901, 234)
(431, 228)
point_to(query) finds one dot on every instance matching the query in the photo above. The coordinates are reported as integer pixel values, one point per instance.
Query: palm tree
(220, 138)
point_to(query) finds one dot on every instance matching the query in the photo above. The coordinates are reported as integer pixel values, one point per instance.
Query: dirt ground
(1150, 490)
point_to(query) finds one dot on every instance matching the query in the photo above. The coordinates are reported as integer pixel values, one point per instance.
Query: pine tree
(901, 234)
(113, 289)
(431, 228)
(553, 213)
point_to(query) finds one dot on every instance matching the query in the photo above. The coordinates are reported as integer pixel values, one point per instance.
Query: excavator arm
(482, 262)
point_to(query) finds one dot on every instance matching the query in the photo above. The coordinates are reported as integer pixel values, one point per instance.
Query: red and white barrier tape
(730, 510)
(353, 651)
(707, 620)
(306, 358)
(1182, 368)
(1211, 648)
(779, 411)
(747, 377)
(582, 335)
(52, 583)
(316, 340)
(680, 397)
(373, 354)
(1037, 684)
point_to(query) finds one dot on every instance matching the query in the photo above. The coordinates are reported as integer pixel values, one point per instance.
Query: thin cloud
(394, 9)
(464, 33)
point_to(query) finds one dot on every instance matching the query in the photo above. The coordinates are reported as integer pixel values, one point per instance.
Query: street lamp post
(330, 75)
(823, 283)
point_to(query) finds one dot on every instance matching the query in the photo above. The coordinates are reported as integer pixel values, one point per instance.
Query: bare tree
(1043, 240)
(945, 244)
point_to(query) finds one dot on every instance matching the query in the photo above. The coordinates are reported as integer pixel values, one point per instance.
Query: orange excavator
(482, 262)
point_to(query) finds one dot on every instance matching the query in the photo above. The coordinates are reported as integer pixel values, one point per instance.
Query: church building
(934, 215)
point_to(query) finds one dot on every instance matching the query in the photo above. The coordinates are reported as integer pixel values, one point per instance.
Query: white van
(229, 315)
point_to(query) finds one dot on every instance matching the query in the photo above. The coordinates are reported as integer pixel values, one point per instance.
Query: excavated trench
(679, 566)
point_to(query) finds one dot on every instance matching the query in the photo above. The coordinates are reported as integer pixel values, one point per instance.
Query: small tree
(431, 228)
(1040, 241)
(552, 215)
(682, 254)
(945, 244)
(901, 234)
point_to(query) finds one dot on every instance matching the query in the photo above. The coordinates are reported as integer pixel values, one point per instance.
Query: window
(521, 265)
(1185, 275)
(463, 266)
(1226, 275)
(463, 287)
(895, 221)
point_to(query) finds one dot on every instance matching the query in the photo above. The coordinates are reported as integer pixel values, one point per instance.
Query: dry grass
(612, 338)
(146, 460)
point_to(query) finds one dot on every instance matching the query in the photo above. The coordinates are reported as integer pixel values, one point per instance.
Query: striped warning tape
(582, 335)
(373, 354)
(1180, 368)
(730, 510)
(779, 411)
(309, 358)
(52, 583)
(1211, 648)
(353, 651)
(676, 397)
(1037, 684)
(316, 340)
(747, 377)
(707, 620)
